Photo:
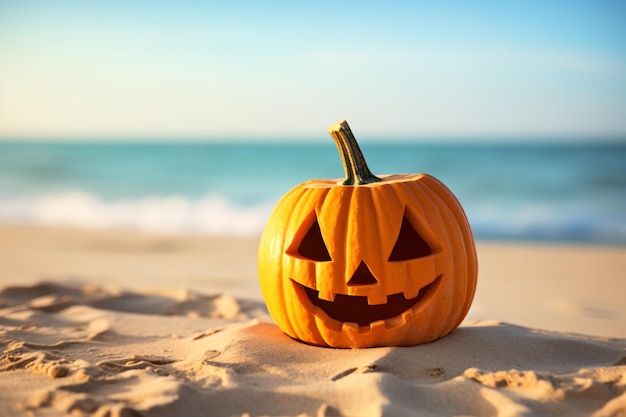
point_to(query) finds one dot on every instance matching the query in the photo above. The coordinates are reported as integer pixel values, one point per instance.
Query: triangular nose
(362, 276)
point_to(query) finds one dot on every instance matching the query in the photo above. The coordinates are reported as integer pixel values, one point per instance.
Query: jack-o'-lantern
(367, 261)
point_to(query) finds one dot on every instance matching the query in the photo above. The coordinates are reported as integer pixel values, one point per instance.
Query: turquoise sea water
(554, 192)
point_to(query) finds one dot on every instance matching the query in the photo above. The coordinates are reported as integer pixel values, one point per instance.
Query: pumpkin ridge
(353, 251)
(309, 198)
(338, 219)
(436, 189)
(368, 199)
(382, 199)
(454, 239)
(433, 214)
(291, 327)
(464, 227)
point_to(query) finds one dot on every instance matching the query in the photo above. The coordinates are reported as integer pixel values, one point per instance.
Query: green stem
(357, 172)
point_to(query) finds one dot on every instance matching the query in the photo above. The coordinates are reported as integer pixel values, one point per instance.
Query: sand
(125, 324)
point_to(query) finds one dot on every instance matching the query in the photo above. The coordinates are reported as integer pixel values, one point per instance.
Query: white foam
(163, 214)
(217, 215)
(545, 222)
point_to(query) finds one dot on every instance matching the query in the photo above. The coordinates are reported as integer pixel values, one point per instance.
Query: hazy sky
(290, 69)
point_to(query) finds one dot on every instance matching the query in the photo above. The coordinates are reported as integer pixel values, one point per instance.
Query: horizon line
(490, 138)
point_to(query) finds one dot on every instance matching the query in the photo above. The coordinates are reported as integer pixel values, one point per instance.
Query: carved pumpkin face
(390, 262)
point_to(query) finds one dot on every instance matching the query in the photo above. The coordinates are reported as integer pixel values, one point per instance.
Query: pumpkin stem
(357, 172)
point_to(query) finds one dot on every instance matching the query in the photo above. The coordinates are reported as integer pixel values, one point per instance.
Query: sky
(248, 69)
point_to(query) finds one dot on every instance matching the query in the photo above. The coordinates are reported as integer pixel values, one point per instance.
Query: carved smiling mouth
(356, 309)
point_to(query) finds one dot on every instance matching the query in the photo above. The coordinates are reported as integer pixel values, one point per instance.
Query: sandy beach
(112, 323)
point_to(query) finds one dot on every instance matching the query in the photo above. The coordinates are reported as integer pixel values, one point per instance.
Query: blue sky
(187, 69)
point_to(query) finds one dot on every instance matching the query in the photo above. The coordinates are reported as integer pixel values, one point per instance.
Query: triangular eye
(409, 244)
(312, 245)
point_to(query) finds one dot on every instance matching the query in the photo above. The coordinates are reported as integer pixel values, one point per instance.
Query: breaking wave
(210, 214)
(217, 215)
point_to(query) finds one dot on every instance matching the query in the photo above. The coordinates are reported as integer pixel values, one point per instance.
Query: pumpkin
(367, 261)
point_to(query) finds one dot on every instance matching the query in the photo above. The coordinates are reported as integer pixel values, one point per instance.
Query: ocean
(520, 191)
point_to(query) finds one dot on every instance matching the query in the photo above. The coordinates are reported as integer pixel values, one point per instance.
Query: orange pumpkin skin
(356, 293)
